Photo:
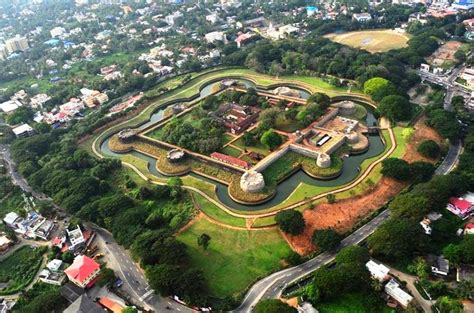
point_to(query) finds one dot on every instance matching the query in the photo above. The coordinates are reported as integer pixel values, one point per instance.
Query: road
(272, 287)
(135, 283)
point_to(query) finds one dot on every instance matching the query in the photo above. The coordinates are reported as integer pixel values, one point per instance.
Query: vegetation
(19, 269)
(429, 149)
(235, 258)
(290, 221)
(204, 240)
(271, 139)
(400, 169)
(41, 298)
(378, 88)
(273, 306)
(326, 239)
(395, 108)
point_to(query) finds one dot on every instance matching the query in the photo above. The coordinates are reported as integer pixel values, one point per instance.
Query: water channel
(351, 165)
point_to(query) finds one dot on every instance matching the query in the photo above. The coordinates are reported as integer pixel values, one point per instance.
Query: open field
(372, 40)
(234, 258)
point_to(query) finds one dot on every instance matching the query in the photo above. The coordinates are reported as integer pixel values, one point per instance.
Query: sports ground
(373, 41)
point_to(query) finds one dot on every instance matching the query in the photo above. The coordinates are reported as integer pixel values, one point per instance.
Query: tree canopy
(271, 139)
(290, 221)
(395, 108)
(273, 306)
(326, 239)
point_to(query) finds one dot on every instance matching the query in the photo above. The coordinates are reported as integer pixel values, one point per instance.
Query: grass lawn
(227, 138)
(19, 269)
(372, 40)
(216, 213)
(231, 151)
(354, 303)
(258, 148)
(234, 259)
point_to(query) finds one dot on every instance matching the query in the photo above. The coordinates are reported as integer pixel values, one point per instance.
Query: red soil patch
(422, 133)
(344, 214)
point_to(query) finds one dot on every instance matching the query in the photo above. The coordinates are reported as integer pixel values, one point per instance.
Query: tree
(68, 257)
(353, 254)
(445, 304)
(273, 306)
(429, 149)
(397, 238)
(395, 108)
(320, 98)
(375, 85)
(249, 139)
(204, 240)
(129, 309)
(107, 277)
(326, 239)
(331, 198)
(290, 221)
(271, 139)
(396, 168)
(421, 171)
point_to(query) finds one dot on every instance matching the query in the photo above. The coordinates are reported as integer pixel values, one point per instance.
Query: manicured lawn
(354, 303)
(216, 213)
(19, 269)
(231, 151)
(227, 138)
(234, 259)
(258, 148)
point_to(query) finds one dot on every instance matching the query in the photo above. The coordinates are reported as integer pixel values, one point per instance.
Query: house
(174, 18)
(23, 131)
(230, 160)
(21, 96)
(215, 36)
(361, 17)
(242, 38)
(440, 266)
(469, 229)
(311, 10)
(6, 305)
(378, 271)
(10, 106)
(84, 304)
(428, 220)
(4, 243)
(465, 272)
(39, 100)
(236, 118)
(75, 237)
(460, 207)
(392, 288)
(469, 23)
(52, 278)
(83, 272)
(464, 5)
(212, 18)
(111, 305)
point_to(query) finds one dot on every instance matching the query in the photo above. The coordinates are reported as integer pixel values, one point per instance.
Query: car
(118, 283)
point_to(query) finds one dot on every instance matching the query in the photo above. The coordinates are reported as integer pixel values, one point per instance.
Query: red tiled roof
(56, 241)
(469, 226)
(229, 159)
(461, 204)
(111, 305)
(81, 268)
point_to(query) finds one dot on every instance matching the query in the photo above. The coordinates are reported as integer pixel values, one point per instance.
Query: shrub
(290, 221)
(429, 149)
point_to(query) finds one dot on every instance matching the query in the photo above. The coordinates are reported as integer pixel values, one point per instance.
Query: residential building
(469, 24)
(311, 10)
(32, 226)
(439, 265)
(469, 229)
(6, 305)
(5, 243)
(378, 271)
(212, 18)
(215, 36)
(57, 32)
(23, 131)
(83, 272)
(54, 265)
(52, 278)
(111, 305)
(460, 207)
(3, 52)
(361, 17)
(84, 304)
(174, 19)
(464, 272)
(16, 44)
(38, 100)
(392, 288)
(242, 38)
(230, 3)
(10, 106)
(464, 5)
(21, 96)
(75, 237)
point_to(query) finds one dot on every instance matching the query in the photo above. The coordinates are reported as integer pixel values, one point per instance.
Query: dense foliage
(273, 306)
(290, 221)
(326, 239)
(429, 149)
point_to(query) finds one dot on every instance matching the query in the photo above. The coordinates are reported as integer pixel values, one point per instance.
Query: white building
(392, 288)
(215, 36)
(76, 237)
(10, 106)
(174, 18)
(361, 17)
(23, 130)
(212, 18)
(377, 271)
(38, 100)
(57, 32)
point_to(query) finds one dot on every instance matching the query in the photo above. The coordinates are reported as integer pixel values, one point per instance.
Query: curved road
(272, 286)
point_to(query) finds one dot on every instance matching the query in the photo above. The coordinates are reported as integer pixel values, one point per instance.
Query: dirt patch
(343, 214)
(422, 133)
